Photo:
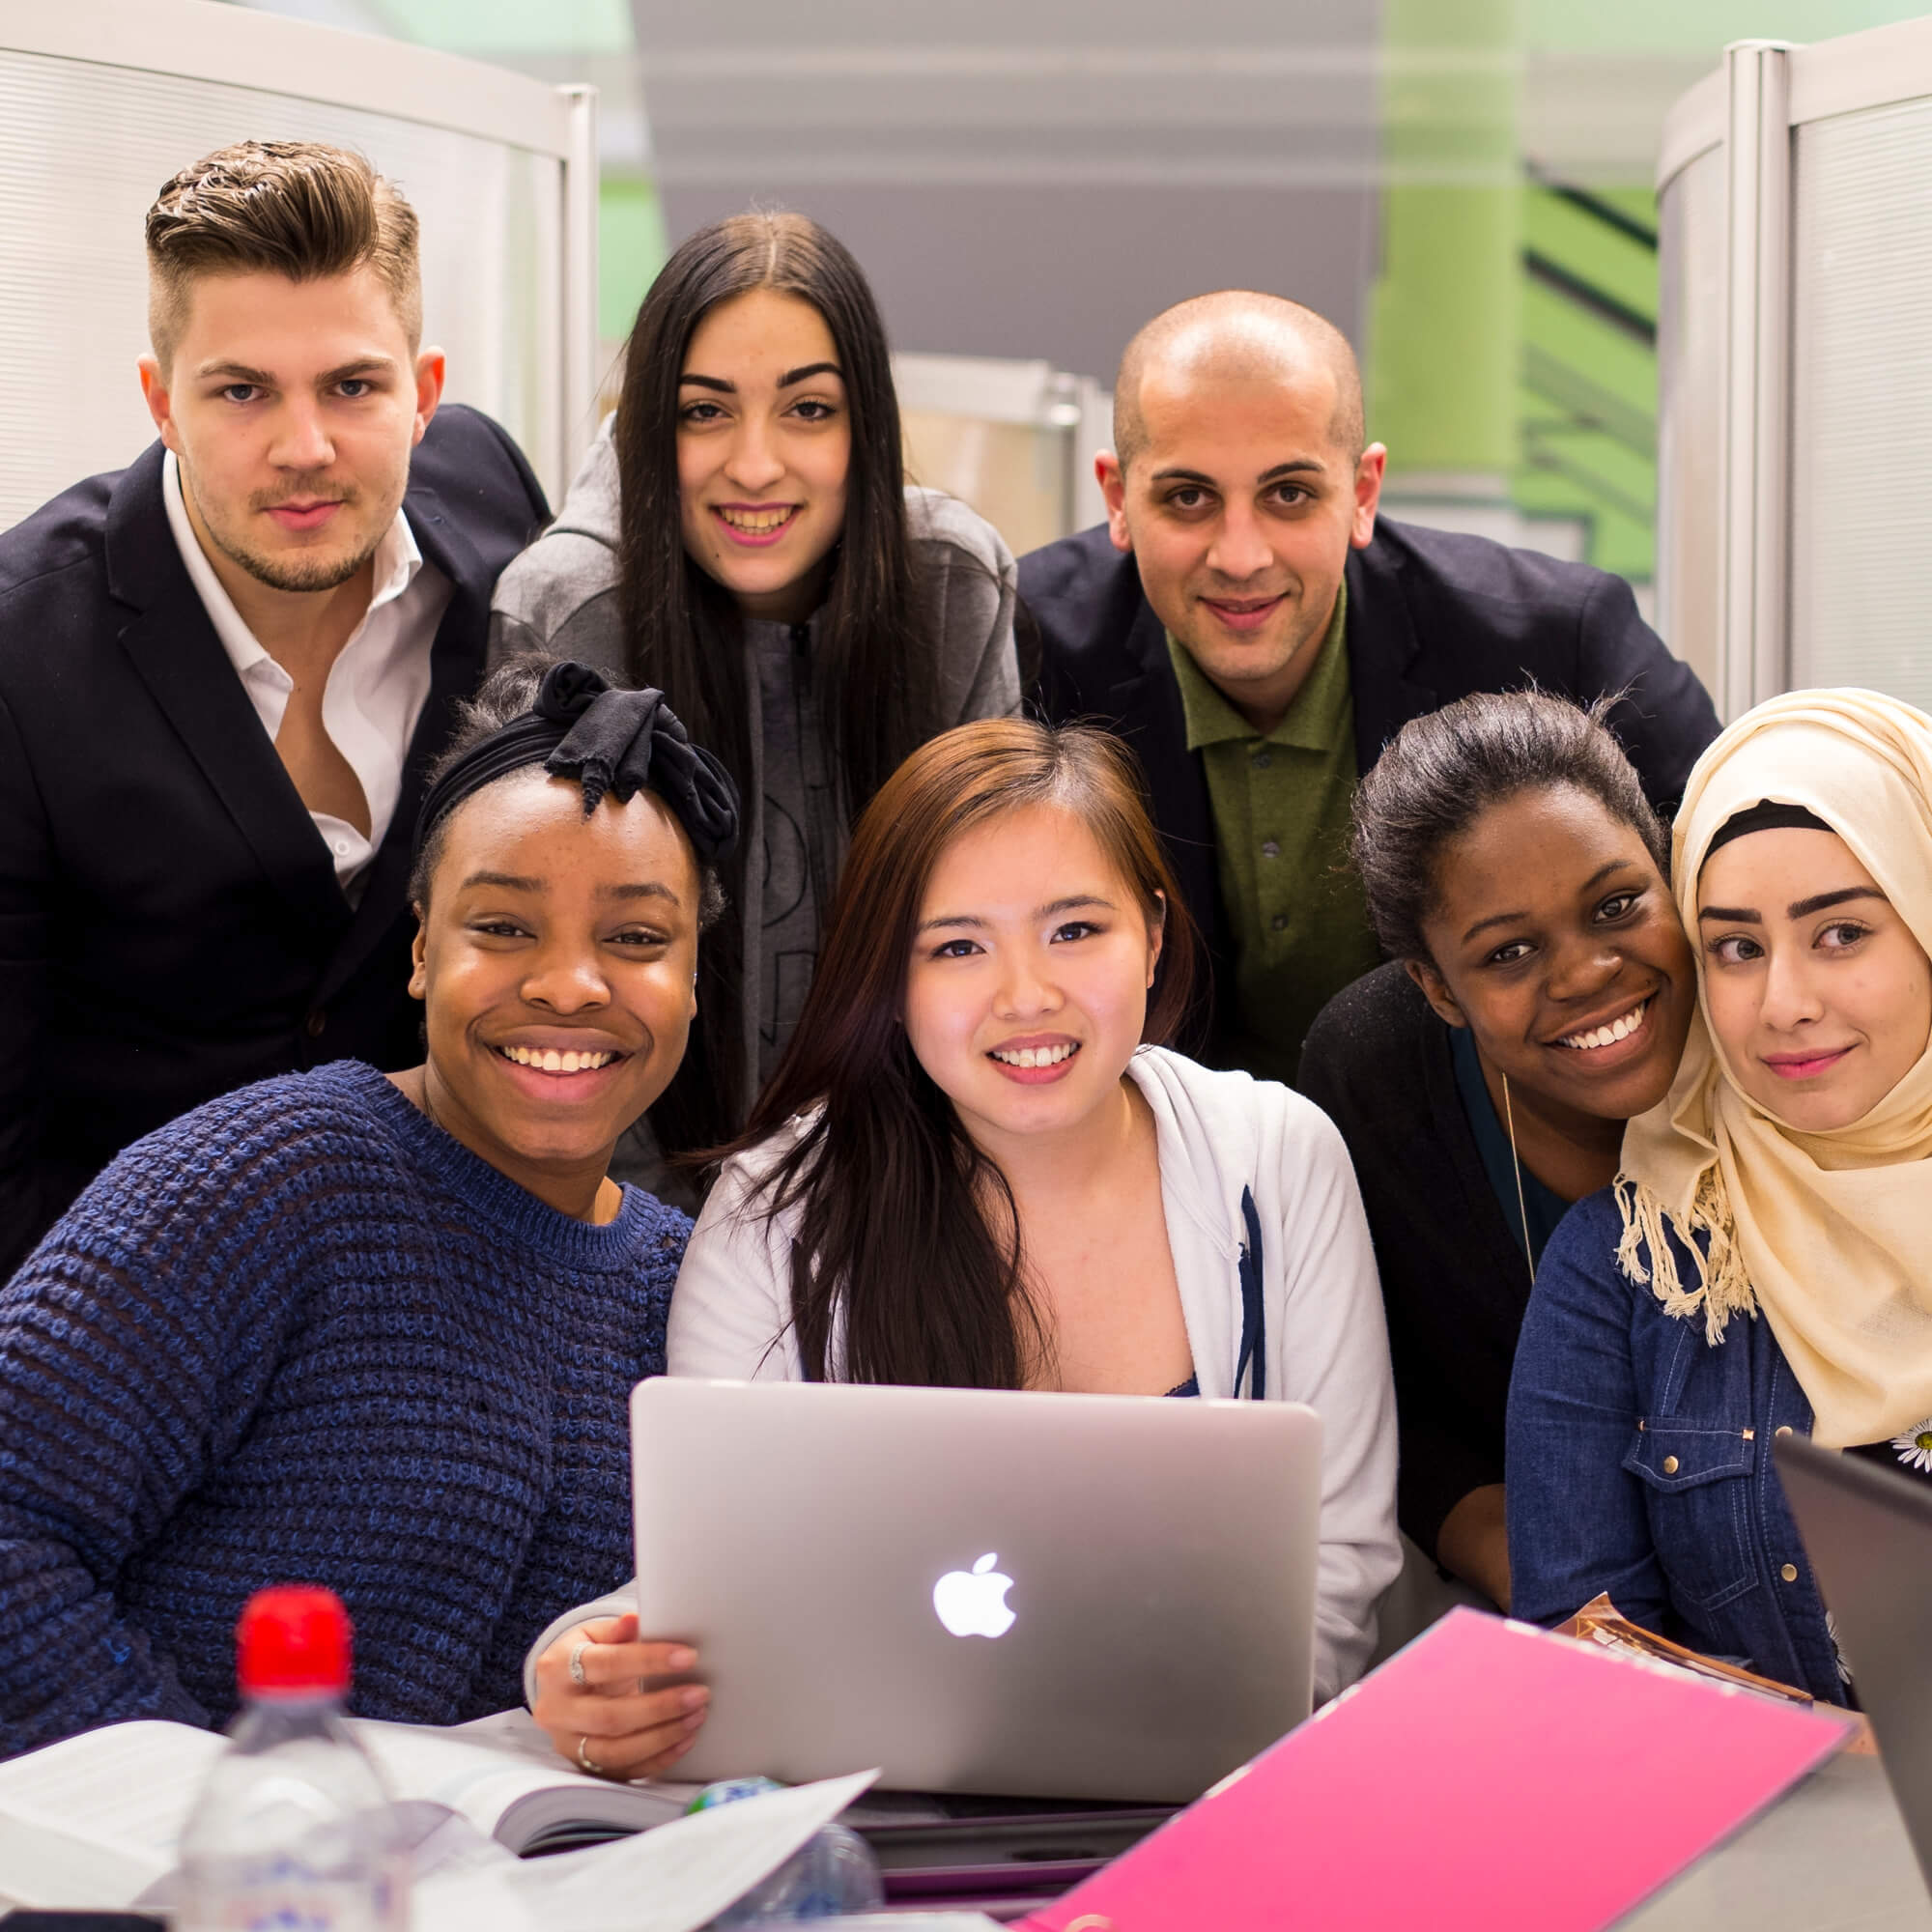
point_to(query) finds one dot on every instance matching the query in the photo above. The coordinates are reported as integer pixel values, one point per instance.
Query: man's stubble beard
(295, 572)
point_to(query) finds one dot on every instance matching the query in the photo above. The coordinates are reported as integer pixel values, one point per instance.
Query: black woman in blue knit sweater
(380, 1332)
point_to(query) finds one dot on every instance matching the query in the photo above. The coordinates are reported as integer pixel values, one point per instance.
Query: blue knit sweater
(300, 1334)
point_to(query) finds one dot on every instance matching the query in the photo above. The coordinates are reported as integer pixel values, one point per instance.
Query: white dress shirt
(376, 686)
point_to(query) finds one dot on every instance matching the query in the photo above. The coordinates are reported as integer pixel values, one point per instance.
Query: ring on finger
(583, 1758)
(577, 1675)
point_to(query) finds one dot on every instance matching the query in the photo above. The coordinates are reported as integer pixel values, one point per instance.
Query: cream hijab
(1829, 1234)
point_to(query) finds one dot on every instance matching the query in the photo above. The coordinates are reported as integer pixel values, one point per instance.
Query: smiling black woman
(379, 1331)
(1538, 1000)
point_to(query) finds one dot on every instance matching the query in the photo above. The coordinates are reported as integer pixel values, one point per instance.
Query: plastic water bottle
(293, 1830)
(834, 1874)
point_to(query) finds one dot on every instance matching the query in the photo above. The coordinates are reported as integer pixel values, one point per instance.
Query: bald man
(1257, 636)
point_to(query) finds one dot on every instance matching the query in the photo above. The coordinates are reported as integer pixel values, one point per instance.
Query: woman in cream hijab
(1764, 1260)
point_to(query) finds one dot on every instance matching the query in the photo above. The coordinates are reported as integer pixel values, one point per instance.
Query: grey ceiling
(1016, 184)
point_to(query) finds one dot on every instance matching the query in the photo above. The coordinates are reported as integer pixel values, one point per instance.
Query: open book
(97, 1820)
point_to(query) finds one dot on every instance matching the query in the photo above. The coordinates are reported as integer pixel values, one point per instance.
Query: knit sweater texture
(302, 1334)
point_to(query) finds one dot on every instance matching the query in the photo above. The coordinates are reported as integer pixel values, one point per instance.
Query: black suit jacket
(1432, 616)
(170, 923)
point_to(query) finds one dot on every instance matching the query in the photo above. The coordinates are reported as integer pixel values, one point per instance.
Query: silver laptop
(1020, 1594)
(1868, 1533)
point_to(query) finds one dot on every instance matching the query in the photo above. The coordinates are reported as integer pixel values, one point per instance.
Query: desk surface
(1833, 1857)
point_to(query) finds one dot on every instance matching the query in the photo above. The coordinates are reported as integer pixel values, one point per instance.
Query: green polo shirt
(1297, 919)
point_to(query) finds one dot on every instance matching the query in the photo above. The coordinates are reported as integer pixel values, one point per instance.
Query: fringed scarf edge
(1723, 1286)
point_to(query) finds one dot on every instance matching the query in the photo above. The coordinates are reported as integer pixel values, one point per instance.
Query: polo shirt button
(1789, 1573)
(1782, 1428)
(1279, 922)
(1671, 1465)
(1270, 848)
(314, 1024)
(1263, 760)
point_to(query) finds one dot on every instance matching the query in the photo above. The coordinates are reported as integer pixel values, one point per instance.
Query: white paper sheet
(95, 1820)
(682, 1875)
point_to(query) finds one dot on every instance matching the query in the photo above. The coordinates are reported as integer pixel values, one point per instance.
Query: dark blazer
(1454, 1281)
(170, 923)
(1432, 616)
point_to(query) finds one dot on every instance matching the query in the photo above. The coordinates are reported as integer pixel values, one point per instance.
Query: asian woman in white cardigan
(977, 1165)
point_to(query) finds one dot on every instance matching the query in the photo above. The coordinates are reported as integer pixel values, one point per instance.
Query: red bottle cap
(293, 1638)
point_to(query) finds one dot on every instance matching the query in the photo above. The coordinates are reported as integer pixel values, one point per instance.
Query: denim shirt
(1639, 1464)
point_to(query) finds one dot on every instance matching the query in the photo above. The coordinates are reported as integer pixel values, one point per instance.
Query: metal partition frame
(1752, 109)
(199, 42)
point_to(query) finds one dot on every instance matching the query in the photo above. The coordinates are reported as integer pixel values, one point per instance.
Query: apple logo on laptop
(973, 1602)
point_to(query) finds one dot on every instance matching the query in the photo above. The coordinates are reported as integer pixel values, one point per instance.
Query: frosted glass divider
(578, 304)
(202, 43)
(1753, 522)
(200, 40)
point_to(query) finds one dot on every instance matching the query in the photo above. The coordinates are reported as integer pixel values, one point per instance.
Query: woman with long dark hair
(744, 540)
(978, 1166)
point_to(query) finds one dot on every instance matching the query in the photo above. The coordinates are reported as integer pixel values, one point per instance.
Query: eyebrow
(1295, 467)
(241, 372)
(1797, 909)
(361, 365)
(512, 882)
(1048, 911)
(1589, 885)
(789, 380)
(1494, 918)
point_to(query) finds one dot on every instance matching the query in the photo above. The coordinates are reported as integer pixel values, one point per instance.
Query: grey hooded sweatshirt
(562, 595)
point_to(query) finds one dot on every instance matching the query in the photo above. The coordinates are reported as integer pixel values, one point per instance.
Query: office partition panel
(1795, 520)
(101, 102)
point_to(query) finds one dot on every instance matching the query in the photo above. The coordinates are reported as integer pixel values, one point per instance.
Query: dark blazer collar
(171, 644)
(443, 542)
(144, 565)
(455, 669)
(1383, 646)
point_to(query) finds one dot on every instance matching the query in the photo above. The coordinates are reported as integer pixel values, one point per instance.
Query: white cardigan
(1216, 1134)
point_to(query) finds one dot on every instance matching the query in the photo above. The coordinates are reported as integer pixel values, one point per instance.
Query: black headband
(1766, 815)
(615, 741)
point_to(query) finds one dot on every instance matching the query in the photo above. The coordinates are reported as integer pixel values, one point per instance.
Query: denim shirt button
(1789, 1573)
(1782, 1428)
(1671, 1465)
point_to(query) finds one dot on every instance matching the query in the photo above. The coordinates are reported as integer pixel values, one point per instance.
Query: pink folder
(1490, 1776)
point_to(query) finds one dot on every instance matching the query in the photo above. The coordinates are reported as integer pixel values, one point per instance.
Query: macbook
(1030, 1594)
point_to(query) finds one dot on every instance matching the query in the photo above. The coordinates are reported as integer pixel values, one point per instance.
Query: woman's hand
(606, 1722)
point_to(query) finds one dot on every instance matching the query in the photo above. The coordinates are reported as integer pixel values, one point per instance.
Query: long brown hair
(878, 677)
(894, 1237)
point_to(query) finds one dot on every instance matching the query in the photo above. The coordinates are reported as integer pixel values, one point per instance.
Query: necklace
(1516, 1161)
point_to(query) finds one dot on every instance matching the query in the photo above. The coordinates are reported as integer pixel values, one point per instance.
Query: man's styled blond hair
(297, 209)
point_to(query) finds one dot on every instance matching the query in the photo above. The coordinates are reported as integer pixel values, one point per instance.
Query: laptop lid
(1035, 1595)
(1868, 1533)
